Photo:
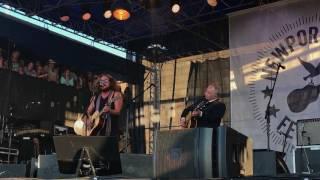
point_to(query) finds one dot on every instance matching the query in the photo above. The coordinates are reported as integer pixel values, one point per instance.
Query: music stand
(102, 152)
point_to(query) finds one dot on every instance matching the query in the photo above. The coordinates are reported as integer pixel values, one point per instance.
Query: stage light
(212, 3)
(64, 14)
(107, 10)
(65, 18)
(121, 10)
(175, 6)
(107, 14)
(86, 14)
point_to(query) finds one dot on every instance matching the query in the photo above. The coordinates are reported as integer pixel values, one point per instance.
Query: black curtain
(202, 74)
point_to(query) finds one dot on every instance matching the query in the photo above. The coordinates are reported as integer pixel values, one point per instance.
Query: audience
(67, 78)
(50, 72)
(41, 72)
(29, 70)
(15, 61)
(53, 72)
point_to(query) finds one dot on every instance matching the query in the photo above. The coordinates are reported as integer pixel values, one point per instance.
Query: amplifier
(308, 132)
(306, 159)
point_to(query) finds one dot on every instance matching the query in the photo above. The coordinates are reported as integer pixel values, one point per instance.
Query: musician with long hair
(208, 112)
(109, 101)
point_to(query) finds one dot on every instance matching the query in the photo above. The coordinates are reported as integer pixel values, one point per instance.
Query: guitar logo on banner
(296, 46)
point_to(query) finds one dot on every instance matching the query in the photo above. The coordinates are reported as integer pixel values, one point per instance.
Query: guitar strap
(106, 117)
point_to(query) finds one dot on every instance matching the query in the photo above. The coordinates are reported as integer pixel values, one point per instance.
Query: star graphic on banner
(273, 111)
(267, 92)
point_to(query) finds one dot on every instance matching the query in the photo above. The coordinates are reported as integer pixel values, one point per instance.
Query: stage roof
(196, 29)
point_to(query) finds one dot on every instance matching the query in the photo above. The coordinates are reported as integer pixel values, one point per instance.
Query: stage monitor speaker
(268, 163)
(12, 170)
(137, 165)
(192, 153)
(103, 151)
(306, 154)
(235, 153)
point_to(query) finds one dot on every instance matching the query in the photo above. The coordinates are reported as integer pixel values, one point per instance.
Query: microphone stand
(267, 112)
(309, 168)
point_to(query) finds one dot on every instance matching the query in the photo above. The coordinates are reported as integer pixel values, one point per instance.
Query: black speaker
(178, 153)
(137, 165)
(234, 153)
(305, 155)
(103, 151)
(192, 153)
(268, 163)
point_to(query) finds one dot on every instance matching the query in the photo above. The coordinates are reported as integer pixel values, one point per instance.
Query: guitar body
(193, 121)
(97, 124)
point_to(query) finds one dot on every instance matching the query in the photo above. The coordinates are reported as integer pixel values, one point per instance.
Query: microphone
(281, 66)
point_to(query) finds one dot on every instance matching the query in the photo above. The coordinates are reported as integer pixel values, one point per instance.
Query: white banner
(288, 33)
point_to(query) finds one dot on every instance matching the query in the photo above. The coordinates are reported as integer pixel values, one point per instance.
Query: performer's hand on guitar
(106, 109)
(183, 122)
(91, 106)
(196, 113)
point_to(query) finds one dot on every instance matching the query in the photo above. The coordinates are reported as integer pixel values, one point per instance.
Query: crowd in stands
(49, 71)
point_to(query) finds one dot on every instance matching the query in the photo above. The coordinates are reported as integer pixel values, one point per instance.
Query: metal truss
(195, 13)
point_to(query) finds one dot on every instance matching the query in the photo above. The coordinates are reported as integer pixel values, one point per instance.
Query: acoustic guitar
(192, 121)
(80, 127)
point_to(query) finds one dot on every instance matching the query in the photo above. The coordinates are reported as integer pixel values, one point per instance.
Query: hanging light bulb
(64, 14)
(86, 14)
(107, 10)
(212, 3)
(121, 10)
(175, 6)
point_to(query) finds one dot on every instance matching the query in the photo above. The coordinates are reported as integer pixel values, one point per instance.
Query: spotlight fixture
(86, 14)
(107, 14)
(212, 3)
(107, 10)
(121, 10)
(175, 6)
(64, 14)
